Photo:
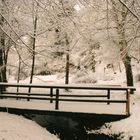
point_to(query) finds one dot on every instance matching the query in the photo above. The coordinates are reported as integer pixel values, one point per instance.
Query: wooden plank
(41, 94)
(22, 93)
(26, 97)
(69, 86)
(82, 96)
(95, 101)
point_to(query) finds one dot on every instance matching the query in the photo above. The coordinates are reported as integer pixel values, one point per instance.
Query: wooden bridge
(57, 98)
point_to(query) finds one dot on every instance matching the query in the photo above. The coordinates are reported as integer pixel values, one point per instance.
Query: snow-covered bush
(82, 77)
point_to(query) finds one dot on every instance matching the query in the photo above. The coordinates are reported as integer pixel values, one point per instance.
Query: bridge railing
(57, 97)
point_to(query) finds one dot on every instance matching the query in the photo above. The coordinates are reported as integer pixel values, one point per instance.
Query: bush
(84, 78)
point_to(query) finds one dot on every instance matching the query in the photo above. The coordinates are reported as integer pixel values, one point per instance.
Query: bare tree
(35, 19)
(124, 23)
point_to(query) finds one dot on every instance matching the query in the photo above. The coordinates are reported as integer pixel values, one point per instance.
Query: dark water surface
(73, 128)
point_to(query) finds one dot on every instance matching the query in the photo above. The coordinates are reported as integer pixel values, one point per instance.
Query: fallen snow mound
(15, 127)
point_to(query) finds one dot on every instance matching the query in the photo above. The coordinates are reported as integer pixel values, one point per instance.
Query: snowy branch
(129, 10)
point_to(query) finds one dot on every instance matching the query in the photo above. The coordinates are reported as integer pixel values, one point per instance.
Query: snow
(66, 106)
(39, 79)
(84, 107)
(128, 128)
(14, 127)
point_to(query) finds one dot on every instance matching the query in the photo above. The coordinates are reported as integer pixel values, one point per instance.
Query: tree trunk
(67, 69)
(3, 77)
(19, 70)
(67, 61)
(2, 45)
(128, 68)
(33, 53)
(5, 64)
(2, 49)
(1, 65)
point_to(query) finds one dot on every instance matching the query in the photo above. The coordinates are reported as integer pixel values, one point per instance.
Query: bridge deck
(73, 107)
(59, 101)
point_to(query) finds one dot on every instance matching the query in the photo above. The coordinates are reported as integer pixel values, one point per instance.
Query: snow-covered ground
(128, 128)
(14, 127)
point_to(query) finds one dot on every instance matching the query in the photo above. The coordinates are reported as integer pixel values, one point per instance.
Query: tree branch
(129, 10)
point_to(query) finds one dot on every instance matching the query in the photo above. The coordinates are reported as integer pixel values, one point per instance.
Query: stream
(73, 128)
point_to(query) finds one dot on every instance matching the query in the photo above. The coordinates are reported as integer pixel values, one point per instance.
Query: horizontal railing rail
(69, 86)
(43, 94)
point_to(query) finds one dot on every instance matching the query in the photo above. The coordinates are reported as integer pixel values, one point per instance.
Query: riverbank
(14, 127)
(129, 128)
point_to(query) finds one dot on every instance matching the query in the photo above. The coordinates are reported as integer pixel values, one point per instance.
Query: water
(73, 128)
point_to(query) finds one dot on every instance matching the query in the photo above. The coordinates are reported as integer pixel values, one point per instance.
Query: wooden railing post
(17, 92)
(128, 102)
(1, 91)
(57, 99)
(51, 94)
(17, 96)
(108, 96)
